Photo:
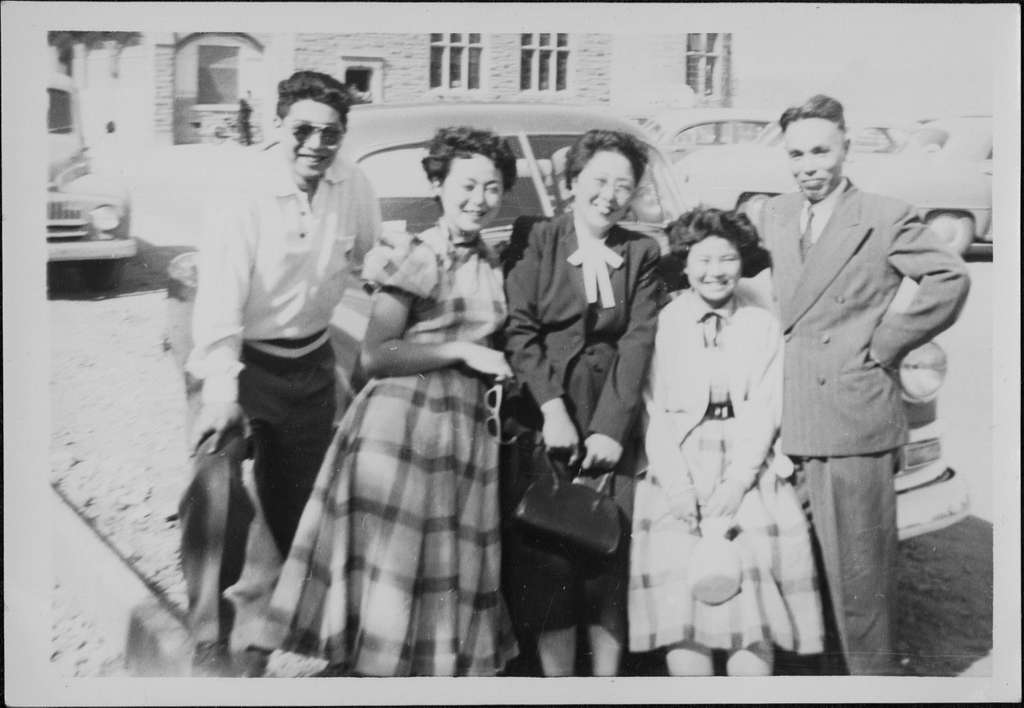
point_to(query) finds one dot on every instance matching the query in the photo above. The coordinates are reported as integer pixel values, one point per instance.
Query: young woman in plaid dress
(713, 405)
(394, 570)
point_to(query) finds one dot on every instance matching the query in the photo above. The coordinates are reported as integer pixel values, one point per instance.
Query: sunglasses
(330, 135)
(492, 399)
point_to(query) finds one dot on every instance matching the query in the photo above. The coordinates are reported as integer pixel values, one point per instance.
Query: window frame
(467, 46)
(535, 47)
(701, 54)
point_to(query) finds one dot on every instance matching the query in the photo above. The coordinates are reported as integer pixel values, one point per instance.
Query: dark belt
(297, 343)
(719, 411)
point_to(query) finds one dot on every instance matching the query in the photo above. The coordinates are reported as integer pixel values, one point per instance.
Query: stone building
(186, 87)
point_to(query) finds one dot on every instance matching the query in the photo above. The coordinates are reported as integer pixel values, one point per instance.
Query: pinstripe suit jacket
(834, 307)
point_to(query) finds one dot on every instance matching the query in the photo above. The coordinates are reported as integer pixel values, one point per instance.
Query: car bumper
(929, 496)
(91, 250)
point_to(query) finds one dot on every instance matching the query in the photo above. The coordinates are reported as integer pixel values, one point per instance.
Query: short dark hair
(818, 106)
(314, 86)
(464, 141)
(698, 224)
(595, 141)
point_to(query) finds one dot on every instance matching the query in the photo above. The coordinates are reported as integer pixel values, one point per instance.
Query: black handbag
(554, 504)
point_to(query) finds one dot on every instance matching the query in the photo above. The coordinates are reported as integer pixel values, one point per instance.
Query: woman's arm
(524, 336)
(758, 416)
(385, 353)
(620, 399)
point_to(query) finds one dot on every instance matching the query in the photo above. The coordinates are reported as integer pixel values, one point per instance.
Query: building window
(218, 74)
(544, 62)
(455, 61)
(704, 64)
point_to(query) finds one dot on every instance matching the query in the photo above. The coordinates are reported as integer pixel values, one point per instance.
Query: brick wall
(406, 60)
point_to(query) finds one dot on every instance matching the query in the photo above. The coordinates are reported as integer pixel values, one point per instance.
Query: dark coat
(550, 323)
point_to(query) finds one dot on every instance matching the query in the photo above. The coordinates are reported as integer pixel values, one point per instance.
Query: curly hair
(314, 86)
(818, 106)
(464, 141)
(694, 226)
(595, 141)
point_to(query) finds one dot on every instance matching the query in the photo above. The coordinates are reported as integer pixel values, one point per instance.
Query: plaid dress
(394, 570)
(778, 602)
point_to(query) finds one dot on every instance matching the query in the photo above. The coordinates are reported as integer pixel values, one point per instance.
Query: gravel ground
(79, 650)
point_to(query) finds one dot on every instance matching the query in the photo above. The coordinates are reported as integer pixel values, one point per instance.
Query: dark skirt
(548, 583)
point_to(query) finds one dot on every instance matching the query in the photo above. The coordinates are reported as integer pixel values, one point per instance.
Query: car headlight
(922, 373)
(105, 218)
(955, 230)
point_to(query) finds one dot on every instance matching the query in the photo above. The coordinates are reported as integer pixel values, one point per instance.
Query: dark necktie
(712, 324)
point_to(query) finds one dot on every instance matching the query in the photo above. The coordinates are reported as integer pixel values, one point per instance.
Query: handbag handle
(574, 473)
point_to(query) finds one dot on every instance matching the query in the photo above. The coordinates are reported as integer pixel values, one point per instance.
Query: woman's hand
(485, 360)
(684, 508)
(603, 452)
(725, 500)
(559, 432)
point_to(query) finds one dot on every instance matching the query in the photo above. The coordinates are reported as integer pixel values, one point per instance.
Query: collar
(279, 173)
(823, 210)
(440, 240)
(701, 308)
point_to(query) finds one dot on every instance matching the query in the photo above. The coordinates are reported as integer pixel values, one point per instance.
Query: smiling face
(713, 268)
(311, 157)
(816, 148)
(602, 191)
(470, 194)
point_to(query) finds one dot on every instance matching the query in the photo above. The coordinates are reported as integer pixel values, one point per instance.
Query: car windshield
(59, 118)
(406, 200)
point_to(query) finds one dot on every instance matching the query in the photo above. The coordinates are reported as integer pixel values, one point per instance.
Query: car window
(697, 136)
(746, 131)
(59, 118)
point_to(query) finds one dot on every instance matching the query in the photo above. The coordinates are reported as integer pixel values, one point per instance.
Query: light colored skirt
(779, 601)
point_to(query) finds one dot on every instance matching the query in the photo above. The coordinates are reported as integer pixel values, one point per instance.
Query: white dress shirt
(272, 265)
(822, 211)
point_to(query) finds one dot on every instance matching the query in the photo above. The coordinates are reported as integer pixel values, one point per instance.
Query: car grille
(66, 222)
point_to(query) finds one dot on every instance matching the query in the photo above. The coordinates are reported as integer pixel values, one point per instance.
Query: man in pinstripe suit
(839, 256)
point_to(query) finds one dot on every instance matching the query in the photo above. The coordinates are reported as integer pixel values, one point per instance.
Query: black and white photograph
(527, 353)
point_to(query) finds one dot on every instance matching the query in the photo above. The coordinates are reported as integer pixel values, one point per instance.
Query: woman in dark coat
(583, 298)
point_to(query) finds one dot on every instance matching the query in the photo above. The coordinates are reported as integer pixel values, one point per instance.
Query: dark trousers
(852, 507)
(290, 406)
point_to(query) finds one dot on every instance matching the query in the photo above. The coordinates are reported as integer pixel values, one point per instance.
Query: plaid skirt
(778, 602)
(395, 567)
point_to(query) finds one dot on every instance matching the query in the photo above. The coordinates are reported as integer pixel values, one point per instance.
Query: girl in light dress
(713, 407)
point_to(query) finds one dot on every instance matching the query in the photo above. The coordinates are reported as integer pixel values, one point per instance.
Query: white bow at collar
(596, 258)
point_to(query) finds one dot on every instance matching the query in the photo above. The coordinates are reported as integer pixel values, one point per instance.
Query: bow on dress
(596, 258)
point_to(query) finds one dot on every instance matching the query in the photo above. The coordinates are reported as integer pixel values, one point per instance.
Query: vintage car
(952, 191)
(88, 215)
(388, 142)
(682, 131)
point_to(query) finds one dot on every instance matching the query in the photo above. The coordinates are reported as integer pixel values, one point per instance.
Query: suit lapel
(786, 250)
(838, 242)
(569, 244)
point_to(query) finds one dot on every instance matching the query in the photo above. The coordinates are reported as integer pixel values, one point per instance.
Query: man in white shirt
(273, 266)
(838, 257)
